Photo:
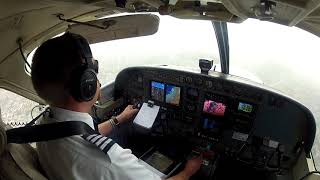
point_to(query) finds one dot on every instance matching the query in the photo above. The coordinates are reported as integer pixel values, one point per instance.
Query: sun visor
(120, 27)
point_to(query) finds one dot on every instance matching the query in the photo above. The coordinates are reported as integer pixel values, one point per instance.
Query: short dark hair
(52, 66)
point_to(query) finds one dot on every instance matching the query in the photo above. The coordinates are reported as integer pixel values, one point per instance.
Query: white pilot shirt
(75, 158)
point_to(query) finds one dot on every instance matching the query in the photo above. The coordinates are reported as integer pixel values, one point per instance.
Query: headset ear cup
(83, 79)
(88, 85)
(83, 84)
(75, 81)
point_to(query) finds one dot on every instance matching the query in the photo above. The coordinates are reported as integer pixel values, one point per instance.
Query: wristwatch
(114, 122)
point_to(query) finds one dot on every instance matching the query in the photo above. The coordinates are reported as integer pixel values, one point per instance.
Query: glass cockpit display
(157, 91)
(165, 92)
(214, 108)
(173, 95)
(245, 107)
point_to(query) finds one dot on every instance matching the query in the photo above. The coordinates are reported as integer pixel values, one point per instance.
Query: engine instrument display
(214, 108)
(245, 107)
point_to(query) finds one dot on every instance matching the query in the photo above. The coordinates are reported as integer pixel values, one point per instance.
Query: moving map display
(173, 95)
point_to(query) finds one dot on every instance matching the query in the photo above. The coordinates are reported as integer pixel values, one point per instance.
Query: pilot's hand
(192, 166)
(127, 114)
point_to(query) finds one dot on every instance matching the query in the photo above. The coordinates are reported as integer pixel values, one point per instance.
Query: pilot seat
(18, 161)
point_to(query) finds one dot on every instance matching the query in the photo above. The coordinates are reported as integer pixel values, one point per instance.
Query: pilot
(59, 70)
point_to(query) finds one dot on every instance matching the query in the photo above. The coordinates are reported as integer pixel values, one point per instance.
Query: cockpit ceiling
(304, 14)
(32, 19)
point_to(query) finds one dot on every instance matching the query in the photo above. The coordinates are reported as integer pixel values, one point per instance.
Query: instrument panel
(223, 114)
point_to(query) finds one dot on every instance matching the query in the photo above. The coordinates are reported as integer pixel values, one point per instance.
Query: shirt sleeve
(126, 165)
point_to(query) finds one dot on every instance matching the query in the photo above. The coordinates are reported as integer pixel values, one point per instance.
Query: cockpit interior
(242, 129)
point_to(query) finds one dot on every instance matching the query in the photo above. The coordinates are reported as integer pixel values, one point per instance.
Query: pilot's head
(64, 72)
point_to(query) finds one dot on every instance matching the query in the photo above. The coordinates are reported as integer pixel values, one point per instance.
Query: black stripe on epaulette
(109, 145)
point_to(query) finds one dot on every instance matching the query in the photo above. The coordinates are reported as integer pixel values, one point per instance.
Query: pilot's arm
(127, 163)
(192, 166)
(105, 128)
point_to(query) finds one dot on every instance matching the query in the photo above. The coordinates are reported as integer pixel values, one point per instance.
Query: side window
(29, 59)
(15, 109)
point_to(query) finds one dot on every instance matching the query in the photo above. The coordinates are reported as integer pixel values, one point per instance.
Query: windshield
(281, 57)
(177, 42)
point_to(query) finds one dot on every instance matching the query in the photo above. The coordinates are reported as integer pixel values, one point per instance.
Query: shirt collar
(60, 115)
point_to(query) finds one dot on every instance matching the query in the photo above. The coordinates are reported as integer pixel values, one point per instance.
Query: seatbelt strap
(52, 131)
(46, 132)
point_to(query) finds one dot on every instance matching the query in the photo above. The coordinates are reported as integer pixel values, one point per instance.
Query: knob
(189, 79)
(209, 84)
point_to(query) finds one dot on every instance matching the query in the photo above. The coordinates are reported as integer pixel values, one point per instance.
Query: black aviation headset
(83, 81)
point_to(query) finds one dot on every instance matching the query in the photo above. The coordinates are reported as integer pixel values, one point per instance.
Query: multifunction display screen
(245, 107)
(157, 91)
(173, 95)
(165, 93)
(214, 108)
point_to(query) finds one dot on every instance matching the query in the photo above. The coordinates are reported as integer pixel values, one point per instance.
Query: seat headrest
(3, 139)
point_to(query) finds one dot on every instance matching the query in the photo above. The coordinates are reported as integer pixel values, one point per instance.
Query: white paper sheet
(146, 115)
